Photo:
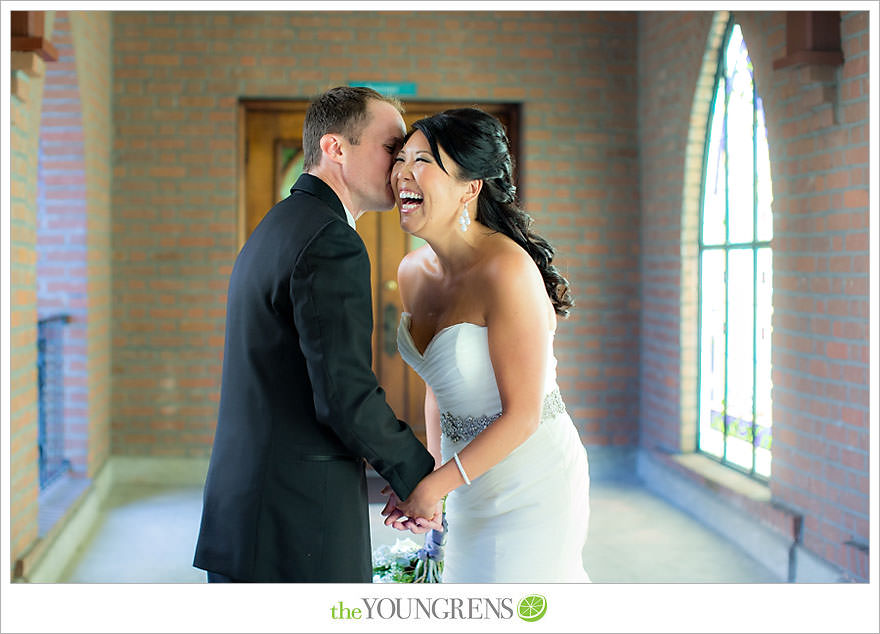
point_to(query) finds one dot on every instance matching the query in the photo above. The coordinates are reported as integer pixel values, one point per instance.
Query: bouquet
(405, 562)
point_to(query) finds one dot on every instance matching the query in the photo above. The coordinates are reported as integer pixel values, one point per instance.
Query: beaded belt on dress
(458, 428)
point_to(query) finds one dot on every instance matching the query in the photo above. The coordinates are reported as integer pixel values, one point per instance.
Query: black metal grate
(50, 377)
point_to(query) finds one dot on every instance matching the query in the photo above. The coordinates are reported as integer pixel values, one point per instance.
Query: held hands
(417, 513)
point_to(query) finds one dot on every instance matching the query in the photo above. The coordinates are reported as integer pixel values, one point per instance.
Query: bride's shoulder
(508, 263)
(414, 274)
(416, 262)
(511, 281)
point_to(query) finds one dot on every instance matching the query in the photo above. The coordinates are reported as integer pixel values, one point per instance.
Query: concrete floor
(147, 534)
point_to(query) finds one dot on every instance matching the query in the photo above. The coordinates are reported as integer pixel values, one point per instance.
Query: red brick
(855, 198)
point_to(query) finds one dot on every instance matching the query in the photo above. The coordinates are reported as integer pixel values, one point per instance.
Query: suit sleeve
(332, 307)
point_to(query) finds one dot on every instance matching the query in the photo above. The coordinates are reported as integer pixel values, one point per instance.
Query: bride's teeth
(410, 199)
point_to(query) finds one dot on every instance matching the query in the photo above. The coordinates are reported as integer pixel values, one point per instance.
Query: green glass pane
(762, 462)
(740, 345)
(732, 51)
(714, 230)
(712, 341)
(763, 368)
(740, 150)
(764, 184)
(739, 452)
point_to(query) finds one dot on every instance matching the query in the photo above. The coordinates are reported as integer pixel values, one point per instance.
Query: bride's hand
(396, 518)
(402, 521)
(421, 504)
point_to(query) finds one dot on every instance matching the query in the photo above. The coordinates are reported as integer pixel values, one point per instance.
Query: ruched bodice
(462, 380)
(457, 366)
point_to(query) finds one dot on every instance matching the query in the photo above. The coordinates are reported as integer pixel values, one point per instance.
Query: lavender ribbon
(435, 544)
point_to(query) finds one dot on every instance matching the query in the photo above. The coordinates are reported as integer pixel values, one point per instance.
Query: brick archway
(690, 231)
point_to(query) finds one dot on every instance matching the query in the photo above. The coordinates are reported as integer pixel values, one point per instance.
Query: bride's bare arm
(519, 319)
(432, 426)
(408, 284)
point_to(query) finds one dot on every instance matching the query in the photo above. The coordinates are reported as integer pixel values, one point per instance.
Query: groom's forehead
(386, 120)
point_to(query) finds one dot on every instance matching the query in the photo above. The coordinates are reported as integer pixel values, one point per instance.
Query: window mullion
(754, 272)
(726, 150)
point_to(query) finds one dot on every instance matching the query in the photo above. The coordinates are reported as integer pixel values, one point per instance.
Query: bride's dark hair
(476, 141)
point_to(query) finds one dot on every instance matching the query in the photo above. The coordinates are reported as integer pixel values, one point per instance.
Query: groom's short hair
(341, 110)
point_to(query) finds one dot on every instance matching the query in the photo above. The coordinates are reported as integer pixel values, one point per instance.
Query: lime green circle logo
(532, 608)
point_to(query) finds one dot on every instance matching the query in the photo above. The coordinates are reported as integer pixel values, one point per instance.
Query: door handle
(389, 329)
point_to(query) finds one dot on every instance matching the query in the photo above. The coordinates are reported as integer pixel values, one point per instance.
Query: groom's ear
(331, 146)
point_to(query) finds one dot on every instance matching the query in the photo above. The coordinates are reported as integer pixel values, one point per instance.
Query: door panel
(270, 161)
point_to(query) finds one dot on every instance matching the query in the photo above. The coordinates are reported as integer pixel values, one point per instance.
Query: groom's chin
(384, 206)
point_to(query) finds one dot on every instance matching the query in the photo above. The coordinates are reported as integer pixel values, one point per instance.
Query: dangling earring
(464, 219)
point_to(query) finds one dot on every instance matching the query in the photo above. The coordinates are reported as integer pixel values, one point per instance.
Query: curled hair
(341, 110)
(477, 143)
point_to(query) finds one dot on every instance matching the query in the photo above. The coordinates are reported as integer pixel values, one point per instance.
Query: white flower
(404, 546)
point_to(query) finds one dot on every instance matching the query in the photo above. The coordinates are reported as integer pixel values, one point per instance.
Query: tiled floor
(147, 534)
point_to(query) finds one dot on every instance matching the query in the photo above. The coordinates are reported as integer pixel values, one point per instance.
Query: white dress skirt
(525, 519)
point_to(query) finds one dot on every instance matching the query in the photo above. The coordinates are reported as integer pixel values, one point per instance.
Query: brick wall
(818, 124)
(68, 150)
(24, 113)
(92, 37)
(670, 58)
(817, 129)
(177, 78)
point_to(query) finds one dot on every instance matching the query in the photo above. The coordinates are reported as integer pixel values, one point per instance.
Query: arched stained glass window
(736, 271)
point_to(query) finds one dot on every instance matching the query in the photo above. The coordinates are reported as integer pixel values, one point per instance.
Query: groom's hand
(394, 514)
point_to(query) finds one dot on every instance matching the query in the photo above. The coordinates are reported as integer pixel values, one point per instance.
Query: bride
(481, 300)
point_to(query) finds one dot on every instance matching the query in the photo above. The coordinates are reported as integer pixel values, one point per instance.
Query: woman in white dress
(481, 300)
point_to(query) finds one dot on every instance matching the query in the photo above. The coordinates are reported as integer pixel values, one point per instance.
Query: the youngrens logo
(530, 608)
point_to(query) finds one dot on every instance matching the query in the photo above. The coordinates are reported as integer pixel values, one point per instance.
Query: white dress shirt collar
(349, 217)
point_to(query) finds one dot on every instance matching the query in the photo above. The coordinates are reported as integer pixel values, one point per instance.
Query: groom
(300, 409)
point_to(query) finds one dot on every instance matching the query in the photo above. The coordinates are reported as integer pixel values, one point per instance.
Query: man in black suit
(300, 409)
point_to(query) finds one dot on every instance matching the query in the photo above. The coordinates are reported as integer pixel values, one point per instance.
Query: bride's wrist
(448, 479)
(430, 487)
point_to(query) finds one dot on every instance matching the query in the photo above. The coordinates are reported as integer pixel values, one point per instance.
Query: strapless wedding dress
(526, 519)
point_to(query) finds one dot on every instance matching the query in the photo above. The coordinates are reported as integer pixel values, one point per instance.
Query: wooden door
(270, 160)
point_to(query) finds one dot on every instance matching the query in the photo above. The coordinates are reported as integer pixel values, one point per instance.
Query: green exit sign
(389, 88)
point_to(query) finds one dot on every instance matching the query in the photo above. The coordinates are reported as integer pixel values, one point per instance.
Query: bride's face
(428, 198)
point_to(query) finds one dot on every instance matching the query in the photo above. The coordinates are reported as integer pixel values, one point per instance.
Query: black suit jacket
(300, 408)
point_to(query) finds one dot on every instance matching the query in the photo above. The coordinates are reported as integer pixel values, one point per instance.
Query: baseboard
(779, 552)
(808, 568)
(612, 462)
(158, 470)
(761, 543)
(51, 557)
(48, 560)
